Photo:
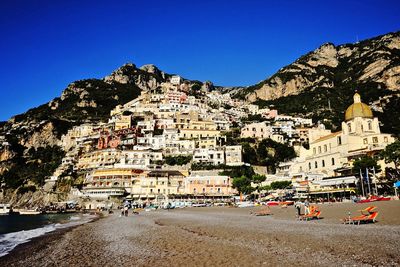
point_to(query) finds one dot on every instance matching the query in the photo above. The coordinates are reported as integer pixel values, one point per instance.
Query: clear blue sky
(45, 45)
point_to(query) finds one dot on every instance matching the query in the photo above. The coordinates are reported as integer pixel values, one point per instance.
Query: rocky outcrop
(374, 60)
(42, 136)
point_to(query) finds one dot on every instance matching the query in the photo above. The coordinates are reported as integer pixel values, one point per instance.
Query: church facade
(333, 154)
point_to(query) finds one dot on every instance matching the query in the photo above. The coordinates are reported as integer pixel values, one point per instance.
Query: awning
(351, 190)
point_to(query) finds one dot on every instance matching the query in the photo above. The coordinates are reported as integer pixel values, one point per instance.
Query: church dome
(358, 109)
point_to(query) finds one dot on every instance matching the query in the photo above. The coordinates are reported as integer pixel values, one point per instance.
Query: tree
(178, 160)
(392, 154)
(366, 162)
(242, 184)
(258, 178)
(280, 184)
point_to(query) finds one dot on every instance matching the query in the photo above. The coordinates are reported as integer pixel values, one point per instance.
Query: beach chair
(367, 219)
(264, 212)
(368, 210)
(364, 214)
(314, 214)
(350, 220)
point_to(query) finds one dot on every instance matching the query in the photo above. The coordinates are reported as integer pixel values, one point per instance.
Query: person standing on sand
(306, 207)
(297, 206)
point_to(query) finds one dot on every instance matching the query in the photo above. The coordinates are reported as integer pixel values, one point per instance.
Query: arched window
(349, 125)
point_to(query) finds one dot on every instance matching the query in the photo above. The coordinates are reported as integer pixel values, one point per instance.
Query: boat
(245, 204)
(373, 199)
(5, 209)
(29, 212)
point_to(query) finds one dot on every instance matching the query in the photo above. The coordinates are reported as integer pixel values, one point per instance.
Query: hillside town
(174, 145)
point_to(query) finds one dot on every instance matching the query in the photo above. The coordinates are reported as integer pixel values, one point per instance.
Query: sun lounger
(367, 219)
(365, 214)
(263, 212)
(352, 219)
(368, 210)
(311, 216)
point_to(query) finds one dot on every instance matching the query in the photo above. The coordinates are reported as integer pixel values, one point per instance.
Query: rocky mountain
(321, 83)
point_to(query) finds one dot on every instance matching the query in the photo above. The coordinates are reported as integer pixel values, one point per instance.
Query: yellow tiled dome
(358, 109)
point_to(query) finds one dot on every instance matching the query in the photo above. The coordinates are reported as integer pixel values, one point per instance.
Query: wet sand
(221, 236)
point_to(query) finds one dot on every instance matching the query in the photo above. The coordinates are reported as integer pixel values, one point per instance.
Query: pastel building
(207, 185)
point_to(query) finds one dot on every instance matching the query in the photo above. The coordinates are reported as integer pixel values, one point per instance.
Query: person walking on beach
(306, 207)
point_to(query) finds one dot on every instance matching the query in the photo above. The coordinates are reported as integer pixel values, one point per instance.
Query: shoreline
(38, 243)
(218, 236)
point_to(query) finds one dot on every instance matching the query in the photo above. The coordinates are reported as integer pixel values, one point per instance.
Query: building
(334, 153)
(233, 155)
(207, 184)
(106, 183)
(259, 130)
(158, 185)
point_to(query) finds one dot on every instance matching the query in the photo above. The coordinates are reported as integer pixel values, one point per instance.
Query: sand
(221, 236)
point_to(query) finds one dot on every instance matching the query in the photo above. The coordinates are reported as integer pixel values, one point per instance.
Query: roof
(326, 137)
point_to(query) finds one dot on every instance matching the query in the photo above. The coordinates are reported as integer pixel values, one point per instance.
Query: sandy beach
(221, 236)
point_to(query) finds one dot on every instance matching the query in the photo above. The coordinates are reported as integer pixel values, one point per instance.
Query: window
(325, 148)
(323, 163)
(365, 141)
(319, 149)
(333, 161)
(314, 151)
(339, 140)
(316, 164)
(370, 125)
(385, 139)
(204, 190)
(349, 125)
(309, 165)
(375, 139)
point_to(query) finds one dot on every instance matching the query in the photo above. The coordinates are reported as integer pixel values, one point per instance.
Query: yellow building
(115, 182)
(334, 153)
(123, 122)
(158, 185)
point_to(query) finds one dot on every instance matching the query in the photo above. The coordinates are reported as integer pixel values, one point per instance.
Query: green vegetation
(392, 154)
(25, 189)
(266, 153)
(277, 185)
(177, 160)
(35, 166)
(392, 175)
(365, 162)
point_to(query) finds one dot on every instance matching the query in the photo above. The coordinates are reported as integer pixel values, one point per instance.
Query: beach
(221, 236)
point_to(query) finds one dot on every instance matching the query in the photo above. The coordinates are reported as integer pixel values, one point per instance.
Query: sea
(18, 229)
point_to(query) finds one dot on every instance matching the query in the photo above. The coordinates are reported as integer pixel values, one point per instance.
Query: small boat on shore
(5, 209)
(373, 199)
(29, 212)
